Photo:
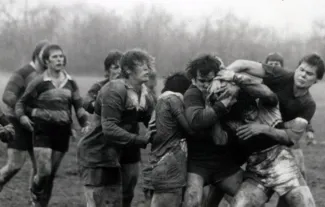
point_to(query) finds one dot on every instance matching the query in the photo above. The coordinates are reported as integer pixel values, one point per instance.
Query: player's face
(56, 60)
(113, 72)
(203, 81)
(140, 72)
(305, 76)
(274, 63)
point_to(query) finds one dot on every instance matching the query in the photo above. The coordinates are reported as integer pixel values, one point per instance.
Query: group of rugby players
(215, 131)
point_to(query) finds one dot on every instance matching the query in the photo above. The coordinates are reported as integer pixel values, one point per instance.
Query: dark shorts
(23, 138)
(210, 175)
(98, 177)
(54, 137)
(130, 155)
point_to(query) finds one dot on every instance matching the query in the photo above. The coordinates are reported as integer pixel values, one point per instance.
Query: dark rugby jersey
(17, 85)
(52, 104)
(281, 82)
(201, 148)
(115, 126)
(91, 96)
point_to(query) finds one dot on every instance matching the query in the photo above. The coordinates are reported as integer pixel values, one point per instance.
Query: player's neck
(137, 85)
(54, 73)
(297, 92)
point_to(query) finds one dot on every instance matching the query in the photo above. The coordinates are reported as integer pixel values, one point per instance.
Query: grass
(68, 190)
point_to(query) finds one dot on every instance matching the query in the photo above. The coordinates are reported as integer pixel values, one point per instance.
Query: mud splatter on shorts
(275, 168)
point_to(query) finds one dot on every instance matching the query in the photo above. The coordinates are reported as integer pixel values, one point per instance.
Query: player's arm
(13, 89)
(295, 128)
(112, 106)
(247, 66)
(256, 69)
(177, 109)
(199, 115)
(22, 108)
(256, 89)
(90, 98)
(280, 135)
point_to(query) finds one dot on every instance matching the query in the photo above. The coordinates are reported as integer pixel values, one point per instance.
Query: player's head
(310, 69)
(176, 82)
(137, 64)
(274, 59)
(112, 67)
(38, 52)
(202, 70)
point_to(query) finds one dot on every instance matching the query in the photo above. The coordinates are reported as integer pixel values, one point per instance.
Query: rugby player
(45, 109)
(120, 106)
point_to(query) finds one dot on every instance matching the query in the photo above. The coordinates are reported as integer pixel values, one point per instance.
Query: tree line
(88, 34)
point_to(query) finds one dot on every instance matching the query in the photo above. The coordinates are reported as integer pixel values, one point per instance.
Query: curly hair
(131, 58)
(204, 63)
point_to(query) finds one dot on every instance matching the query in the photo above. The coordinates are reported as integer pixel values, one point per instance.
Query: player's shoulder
(25, 70)
(119, 86)
(192, 90)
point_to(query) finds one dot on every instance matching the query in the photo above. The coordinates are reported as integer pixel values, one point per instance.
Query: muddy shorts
(299, 157)
(169, 171)
(23, 138)
(276, 169)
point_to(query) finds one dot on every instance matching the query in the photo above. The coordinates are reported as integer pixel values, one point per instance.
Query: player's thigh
(194, 189)
(231, 184)
(43, 157)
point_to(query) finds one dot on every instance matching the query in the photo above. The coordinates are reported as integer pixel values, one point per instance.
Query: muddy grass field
(68, 191)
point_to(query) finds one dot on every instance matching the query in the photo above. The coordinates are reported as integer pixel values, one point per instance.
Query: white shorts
(276, 169)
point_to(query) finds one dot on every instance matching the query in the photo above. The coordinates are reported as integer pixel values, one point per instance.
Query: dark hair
(176, 82)
(275, 57)
(244, 103)
(113, 57)
(316, 61)
(204, 63)
(39, 46)
(130, 58)
(47, 52)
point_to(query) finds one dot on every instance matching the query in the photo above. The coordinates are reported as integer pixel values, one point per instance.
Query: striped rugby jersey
(51, 104)
(17, 85)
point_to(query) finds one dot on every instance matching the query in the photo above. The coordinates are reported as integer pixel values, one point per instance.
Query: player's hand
(142, 141)
(249, 130)
(85, 129)
(7, 133)
(27, 123)
(310, 138)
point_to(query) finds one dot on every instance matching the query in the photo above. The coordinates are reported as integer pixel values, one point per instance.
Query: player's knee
(16, 161)
(14, 166)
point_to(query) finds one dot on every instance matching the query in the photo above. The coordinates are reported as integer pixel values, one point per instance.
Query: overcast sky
(288, 16)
